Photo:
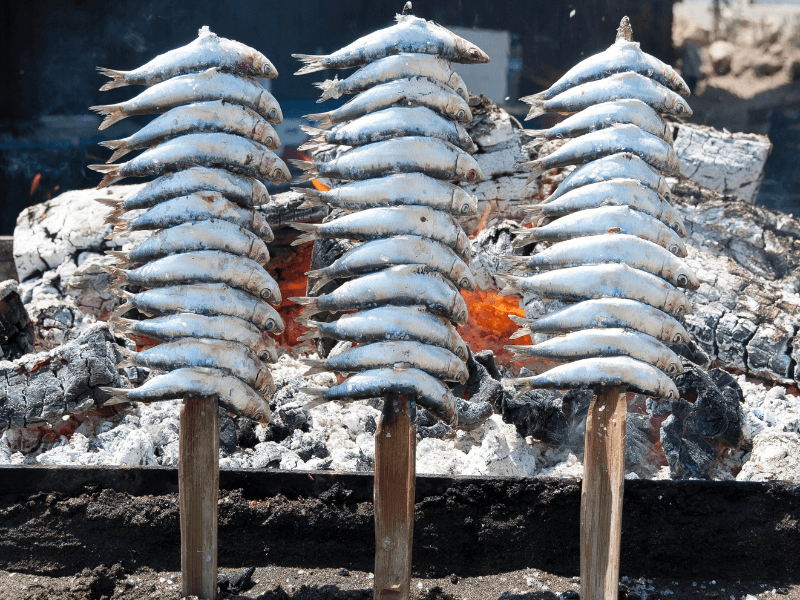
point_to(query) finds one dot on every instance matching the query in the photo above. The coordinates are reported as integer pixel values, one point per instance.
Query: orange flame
(319, 185)
(37, 179)
(489, 326)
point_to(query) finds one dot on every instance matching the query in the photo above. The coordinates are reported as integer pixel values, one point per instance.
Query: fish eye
(461, 114)
(672, 368)
(464, 209)
(270, 141)
(270, 324)
(277, 173)
(678, 339)
(674, 248)
(273, 113)
(682, 280)
(475, 53)
(266, 294)
(471, 175)
(464, 282)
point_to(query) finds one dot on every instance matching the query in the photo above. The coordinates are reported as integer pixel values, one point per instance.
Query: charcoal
(637, 444)
(227, 433)
(538, 414)
(315, 449)
(437, 431)
(688, 455)
(485, 358)
(246, 432)
(233, 584)
(481, 386)
(16, 332)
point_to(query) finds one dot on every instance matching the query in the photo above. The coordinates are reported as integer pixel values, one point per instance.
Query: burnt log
(38, 389)
(16, 333)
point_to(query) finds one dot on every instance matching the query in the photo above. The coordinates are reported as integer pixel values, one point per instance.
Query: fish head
(266, 134)
(259, 194)
(460, 348)
(464, 203)
(680, 84)
(675, 333)
(459, 86)
(680, 107)
(462, 245)
(468, 169)
(269, 354)
(676, 224)
(264, 68)
(264, 381)
(269, 109)
(258, 411)
(466, 141)
(673, 243)
(469, 52)
(667, 389)
(460, 311)
(457, 109)
(461, 274)
(458, 370)
(677, 303)
(670, 364)
(274, 169)
(685, 278)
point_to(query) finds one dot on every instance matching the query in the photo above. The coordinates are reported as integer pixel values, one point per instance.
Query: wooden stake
(395, 481)
(601, 495)
(198, 482)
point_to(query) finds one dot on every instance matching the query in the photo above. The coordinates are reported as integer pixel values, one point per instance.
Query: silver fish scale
(201, 275)
(614, 332)
(399, 143)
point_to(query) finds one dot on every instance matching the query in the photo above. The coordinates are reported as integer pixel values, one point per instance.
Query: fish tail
(315, 366)
(330, 89)
(322, 279)
(312, 145)
(120, 276)
(534, 214)
(309, 169)
(511, 288)
(114, 217)
(112, 113)
(311, 63)
(517, 262)
(312, 131)
(310, 234)
(324, 119)
(117, 78)
(118, 146)
(115, 395)
(536, 134)
(523, 237)
(536, 168)
(521, 321)
(122, 257)
(313, 197)
(521, 332)
(536, 102)
(122, 325)
(518, 352)
(122, 308)
(111, 171)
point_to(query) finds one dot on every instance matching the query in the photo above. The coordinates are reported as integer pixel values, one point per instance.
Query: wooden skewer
(601, 495)
(395, 482)
(198, 483)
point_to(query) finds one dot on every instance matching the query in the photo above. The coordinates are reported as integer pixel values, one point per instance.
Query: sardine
(400, 66)
(399, 250)
(413, 154)
(597, 281)
(621, 56)
(414, 91)
(606, 219)
(619, 138)
(438, 362)
(633, 375)
(377, 223)
(402, 189)
(208, 50)
(211, 234)
(232, 357)
(607, 312)
(220, 327)
(195, 87)
(388, 123)
(616, 248)
(616, 87)
(215, 150)
(430, 392)
(203, 299)
(244, 191)
(216, 116)
(409, 285)
(591, 343)
(233, 393)
(204, 266)
(389, 323)
(616, 166)
(410, 34)
(194, 207)
(628, 111)
(616, 192)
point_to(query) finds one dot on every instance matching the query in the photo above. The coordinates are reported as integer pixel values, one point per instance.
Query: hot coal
(692, 430)
(227, 432)
(16, 332)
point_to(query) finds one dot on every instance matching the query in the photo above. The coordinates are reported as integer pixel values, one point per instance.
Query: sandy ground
(273, 583)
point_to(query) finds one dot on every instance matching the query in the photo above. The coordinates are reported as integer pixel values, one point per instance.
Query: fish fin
(122, 257)
(112, 113)
(310, 234)
(119, 148)
(536, 169)
(518, 352)
(309, 169)
(521, 332)
(313, 329)
(112, 174)
(330, 89)
(114, 217)
(117, 78)
(324, 119)
(315, 366)
(517, 262)
(311, 63)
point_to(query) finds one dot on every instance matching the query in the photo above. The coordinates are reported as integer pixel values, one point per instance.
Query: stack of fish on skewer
(201, 273)
(616, 240)
(391, 152)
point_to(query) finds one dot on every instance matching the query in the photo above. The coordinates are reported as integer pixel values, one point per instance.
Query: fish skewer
(208, 50)
(398, 66)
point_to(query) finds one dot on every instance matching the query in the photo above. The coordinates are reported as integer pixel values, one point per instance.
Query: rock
(16, 332)
(40, 388)
(775, 456)
(720, 53)
(729, 163)
(7, 268)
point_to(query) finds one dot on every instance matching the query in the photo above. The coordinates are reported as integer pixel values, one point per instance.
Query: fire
(489, 326)
(319, 185)
(37, 179)
(292, 280)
